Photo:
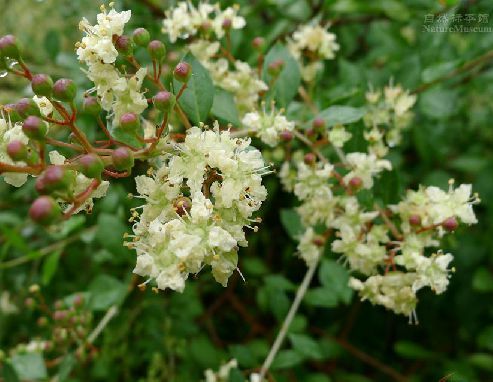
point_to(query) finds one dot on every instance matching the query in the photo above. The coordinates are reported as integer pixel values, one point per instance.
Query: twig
(110, 313)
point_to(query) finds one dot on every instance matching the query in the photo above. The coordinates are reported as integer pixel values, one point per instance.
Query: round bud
(35, 128)
(415, 220)
(44, 210)
(310, 158)
(141, 37)
(60, 315)
(9, 47)
(130, 121)
(319, 241)
(450, 224)
(310, 132)
(17, 150)
(29, 302)
(42, 321)
(42, 85)
(286, 135)
(123, 158)
(26, 107)
(91, 165)
(91, 106)
(124, 45)
(78, 300)
(182, 205)
(258, 43)
(64, 90)
(355, 183)
(275, 67)
(53, 178)
(164, 101)
(182, 72)
(318, 123)
(227, 24)
(156, 50)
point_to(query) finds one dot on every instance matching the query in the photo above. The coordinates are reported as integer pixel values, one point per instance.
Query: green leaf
(286, 85)
(436, 71)
(438, 103)
(334, 277)
(387, 187)
(52, 43)
(106, 291)
(411, 350)
(30, 366)
(66, 366)
(128, 137)
(292, 223)
(483, 280)
(224, 107)
(8, 372)
(198, 97)
(482, 360)
(204, 352)
(485, 338)
(110, 233)
(236, 376)
(287, 358)
(341, 115)
(50, 265)
(243, 355)
(321, 297)
(306, 346)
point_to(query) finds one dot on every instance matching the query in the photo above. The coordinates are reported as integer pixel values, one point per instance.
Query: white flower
(44, 104)
(223, 374)
(312, 181)
(315, 39)
(8, 134)
(267, 126)
(365, 167)
(338, 135)
(231, 15)
(309, 248)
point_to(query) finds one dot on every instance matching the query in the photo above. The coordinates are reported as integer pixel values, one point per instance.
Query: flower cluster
(117, 93)
(197, 205)
(222, 375)
(311, 44)
(10, 133)
(388, 114)
(268, 126)
(186, 20)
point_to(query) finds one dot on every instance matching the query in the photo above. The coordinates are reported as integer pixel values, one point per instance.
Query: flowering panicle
(197, 205)
(222, 375)
(267, 125)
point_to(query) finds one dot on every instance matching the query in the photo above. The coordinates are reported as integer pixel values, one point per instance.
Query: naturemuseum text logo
(457, 23)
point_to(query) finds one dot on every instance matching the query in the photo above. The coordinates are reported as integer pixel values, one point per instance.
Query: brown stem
(34, 170)
(82, 197)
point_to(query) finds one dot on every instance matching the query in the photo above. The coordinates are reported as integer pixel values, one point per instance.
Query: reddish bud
(156, 50)
(91, 106)
(29, 302)
(318, 123)
(450, 224)
(17, 150)
(42, 85)
(44, 210)
(164, 101)
(286, 135)
(355, 183)
(35, 128)
(78, 300)
(182, 72)
(258, 43)
(319, 241)
(141, 37)
(275, 68)
(415, 220)
(26, 107)
(9, 47)
(130, 121)
(91, 165)
(124, 45)
(123, 158)
(64, 90)
(227, 24)
(310, 158)
(60, 315)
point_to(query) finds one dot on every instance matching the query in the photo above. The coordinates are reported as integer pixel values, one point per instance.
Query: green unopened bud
(164, 101)
(130, 121)
(123, 159)
(157, 50)
(17, 150)
(45, 210)
(124, 45)
(54, 178)
(26, 107)
(275, 68)
(141, 37)
(9, 47)
(35, 128)
(42, 85)
(64, 90)
(318, 124)
(182, 72)
(91, 106)
(91, 165)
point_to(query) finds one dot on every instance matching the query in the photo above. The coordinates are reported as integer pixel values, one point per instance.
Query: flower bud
(355, 183)
(17, 151)
(164, 101)
(26, 107)
(310, 159)
(91, 165)
(35, 128)
(182, 205)
(318, 124)
(319, 241)
(44, 210)
(130, 121)
(275, 68)
(91, 106)
(182, 72)
(124, 45)
(123, 158)
(286, 135)
(78, 300)
(156, 50)
(227, 24)
(53, 178)
(64, 90)
(42, 85)
(141, 37)
(60, 315)
(9, 47)
(415, 220)
(450, 224)
(29, 302)
(258, 43)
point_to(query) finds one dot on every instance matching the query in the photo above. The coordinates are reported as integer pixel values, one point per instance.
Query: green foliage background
(174, 337)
